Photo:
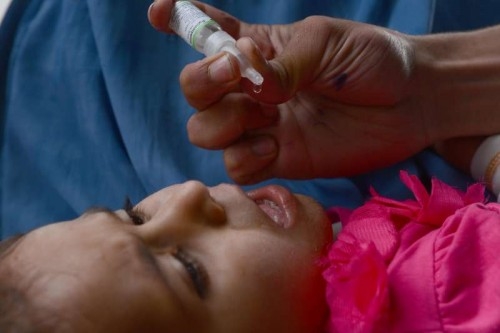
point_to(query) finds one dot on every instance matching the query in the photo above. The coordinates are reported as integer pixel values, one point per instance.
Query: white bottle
(206, 36)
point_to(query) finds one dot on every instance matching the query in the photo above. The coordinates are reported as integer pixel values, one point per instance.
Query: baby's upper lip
(277, 202)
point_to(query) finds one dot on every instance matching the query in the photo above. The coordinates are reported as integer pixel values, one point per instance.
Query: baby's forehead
(15, 272)
(29, 251)
(9, 244)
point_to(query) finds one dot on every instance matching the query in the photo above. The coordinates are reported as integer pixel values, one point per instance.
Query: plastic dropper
(206, 36)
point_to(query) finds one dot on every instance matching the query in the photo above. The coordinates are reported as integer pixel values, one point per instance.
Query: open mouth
(277, 203)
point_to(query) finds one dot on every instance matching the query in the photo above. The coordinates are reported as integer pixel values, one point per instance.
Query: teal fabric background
(91, 109)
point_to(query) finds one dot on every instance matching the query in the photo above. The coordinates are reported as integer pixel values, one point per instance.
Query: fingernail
(263, 146)
(149, 10)
(221, 70)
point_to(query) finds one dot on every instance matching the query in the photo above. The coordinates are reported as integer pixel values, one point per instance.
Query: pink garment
(425, 265)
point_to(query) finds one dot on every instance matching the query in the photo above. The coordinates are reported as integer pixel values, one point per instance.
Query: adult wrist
(458, 82)
(485, 164)
(422, 95)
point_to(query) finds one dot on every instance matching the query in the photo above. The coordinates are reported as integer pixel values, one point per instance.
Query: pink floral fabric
(430, 264)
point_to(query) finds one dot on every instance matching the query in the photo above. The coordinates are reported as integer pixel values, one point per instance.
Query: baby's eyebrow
(9, 244)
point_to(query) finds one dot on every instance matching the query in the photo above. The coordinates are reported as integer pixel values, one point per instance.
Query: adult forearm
(457, 78)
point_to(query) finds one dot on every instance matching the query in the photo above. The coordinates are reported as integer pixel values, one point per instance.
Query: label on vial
(187, 20)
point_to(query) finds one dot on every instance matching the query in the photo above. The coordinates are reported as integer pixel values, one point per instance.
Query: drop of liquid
(257, 88)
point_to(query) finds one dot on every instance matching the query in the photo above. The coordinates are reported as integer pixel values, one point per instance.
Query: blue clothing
(91, 109)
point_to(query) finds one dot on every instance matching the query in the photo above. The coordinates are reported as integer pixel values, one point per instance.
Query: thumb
(283, 75)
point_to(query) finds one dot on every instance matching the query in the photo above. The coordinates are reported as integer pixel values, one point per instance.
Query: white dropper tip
(246, 69)
(222, 41)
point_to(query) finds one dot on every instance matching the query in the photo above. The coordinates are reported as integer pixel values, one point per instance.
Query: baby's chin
(315, 214)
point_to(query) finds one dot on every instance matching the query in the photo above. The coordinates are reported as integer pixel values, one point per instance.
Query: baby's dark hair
(16, 311)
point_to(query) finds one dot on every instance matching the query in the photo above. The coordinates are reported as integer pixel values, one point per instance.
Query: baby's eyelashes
(135, 214)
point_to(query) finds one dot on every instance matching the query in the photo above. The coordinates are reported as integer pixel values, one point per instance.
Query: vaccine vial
(206, 36)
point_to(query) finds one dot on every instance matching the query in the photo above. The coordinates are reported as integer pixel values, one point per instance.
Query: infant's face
(205, 260)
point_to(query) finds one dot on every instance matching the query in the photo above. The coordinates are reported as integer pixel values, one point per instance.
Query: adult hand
(335, 101)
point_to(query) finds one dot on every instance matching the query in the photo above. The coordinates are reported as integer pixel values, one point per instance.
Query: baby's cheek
(302, 290)
(311, 307)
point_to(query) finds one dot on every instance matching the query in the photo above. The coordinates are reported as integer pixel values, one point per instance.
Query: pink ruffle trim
(356, 264)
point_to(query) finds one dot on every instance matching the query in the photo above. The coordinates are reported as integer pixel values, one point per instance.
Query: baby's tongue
(273, 211)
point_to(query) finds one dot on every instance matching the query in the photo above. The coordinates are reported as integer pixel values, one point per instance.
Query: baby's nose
(201, 205)
(180, 212)
(192, 203)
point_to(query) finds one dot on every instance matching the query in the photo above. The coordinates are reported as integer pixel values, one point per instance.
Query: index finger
(206, 81)
(160, 11)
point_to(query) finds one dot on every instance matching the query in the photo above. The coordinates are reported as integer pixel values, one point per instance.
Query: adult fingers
(206, 81)
(250, 161)
(229, 121)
